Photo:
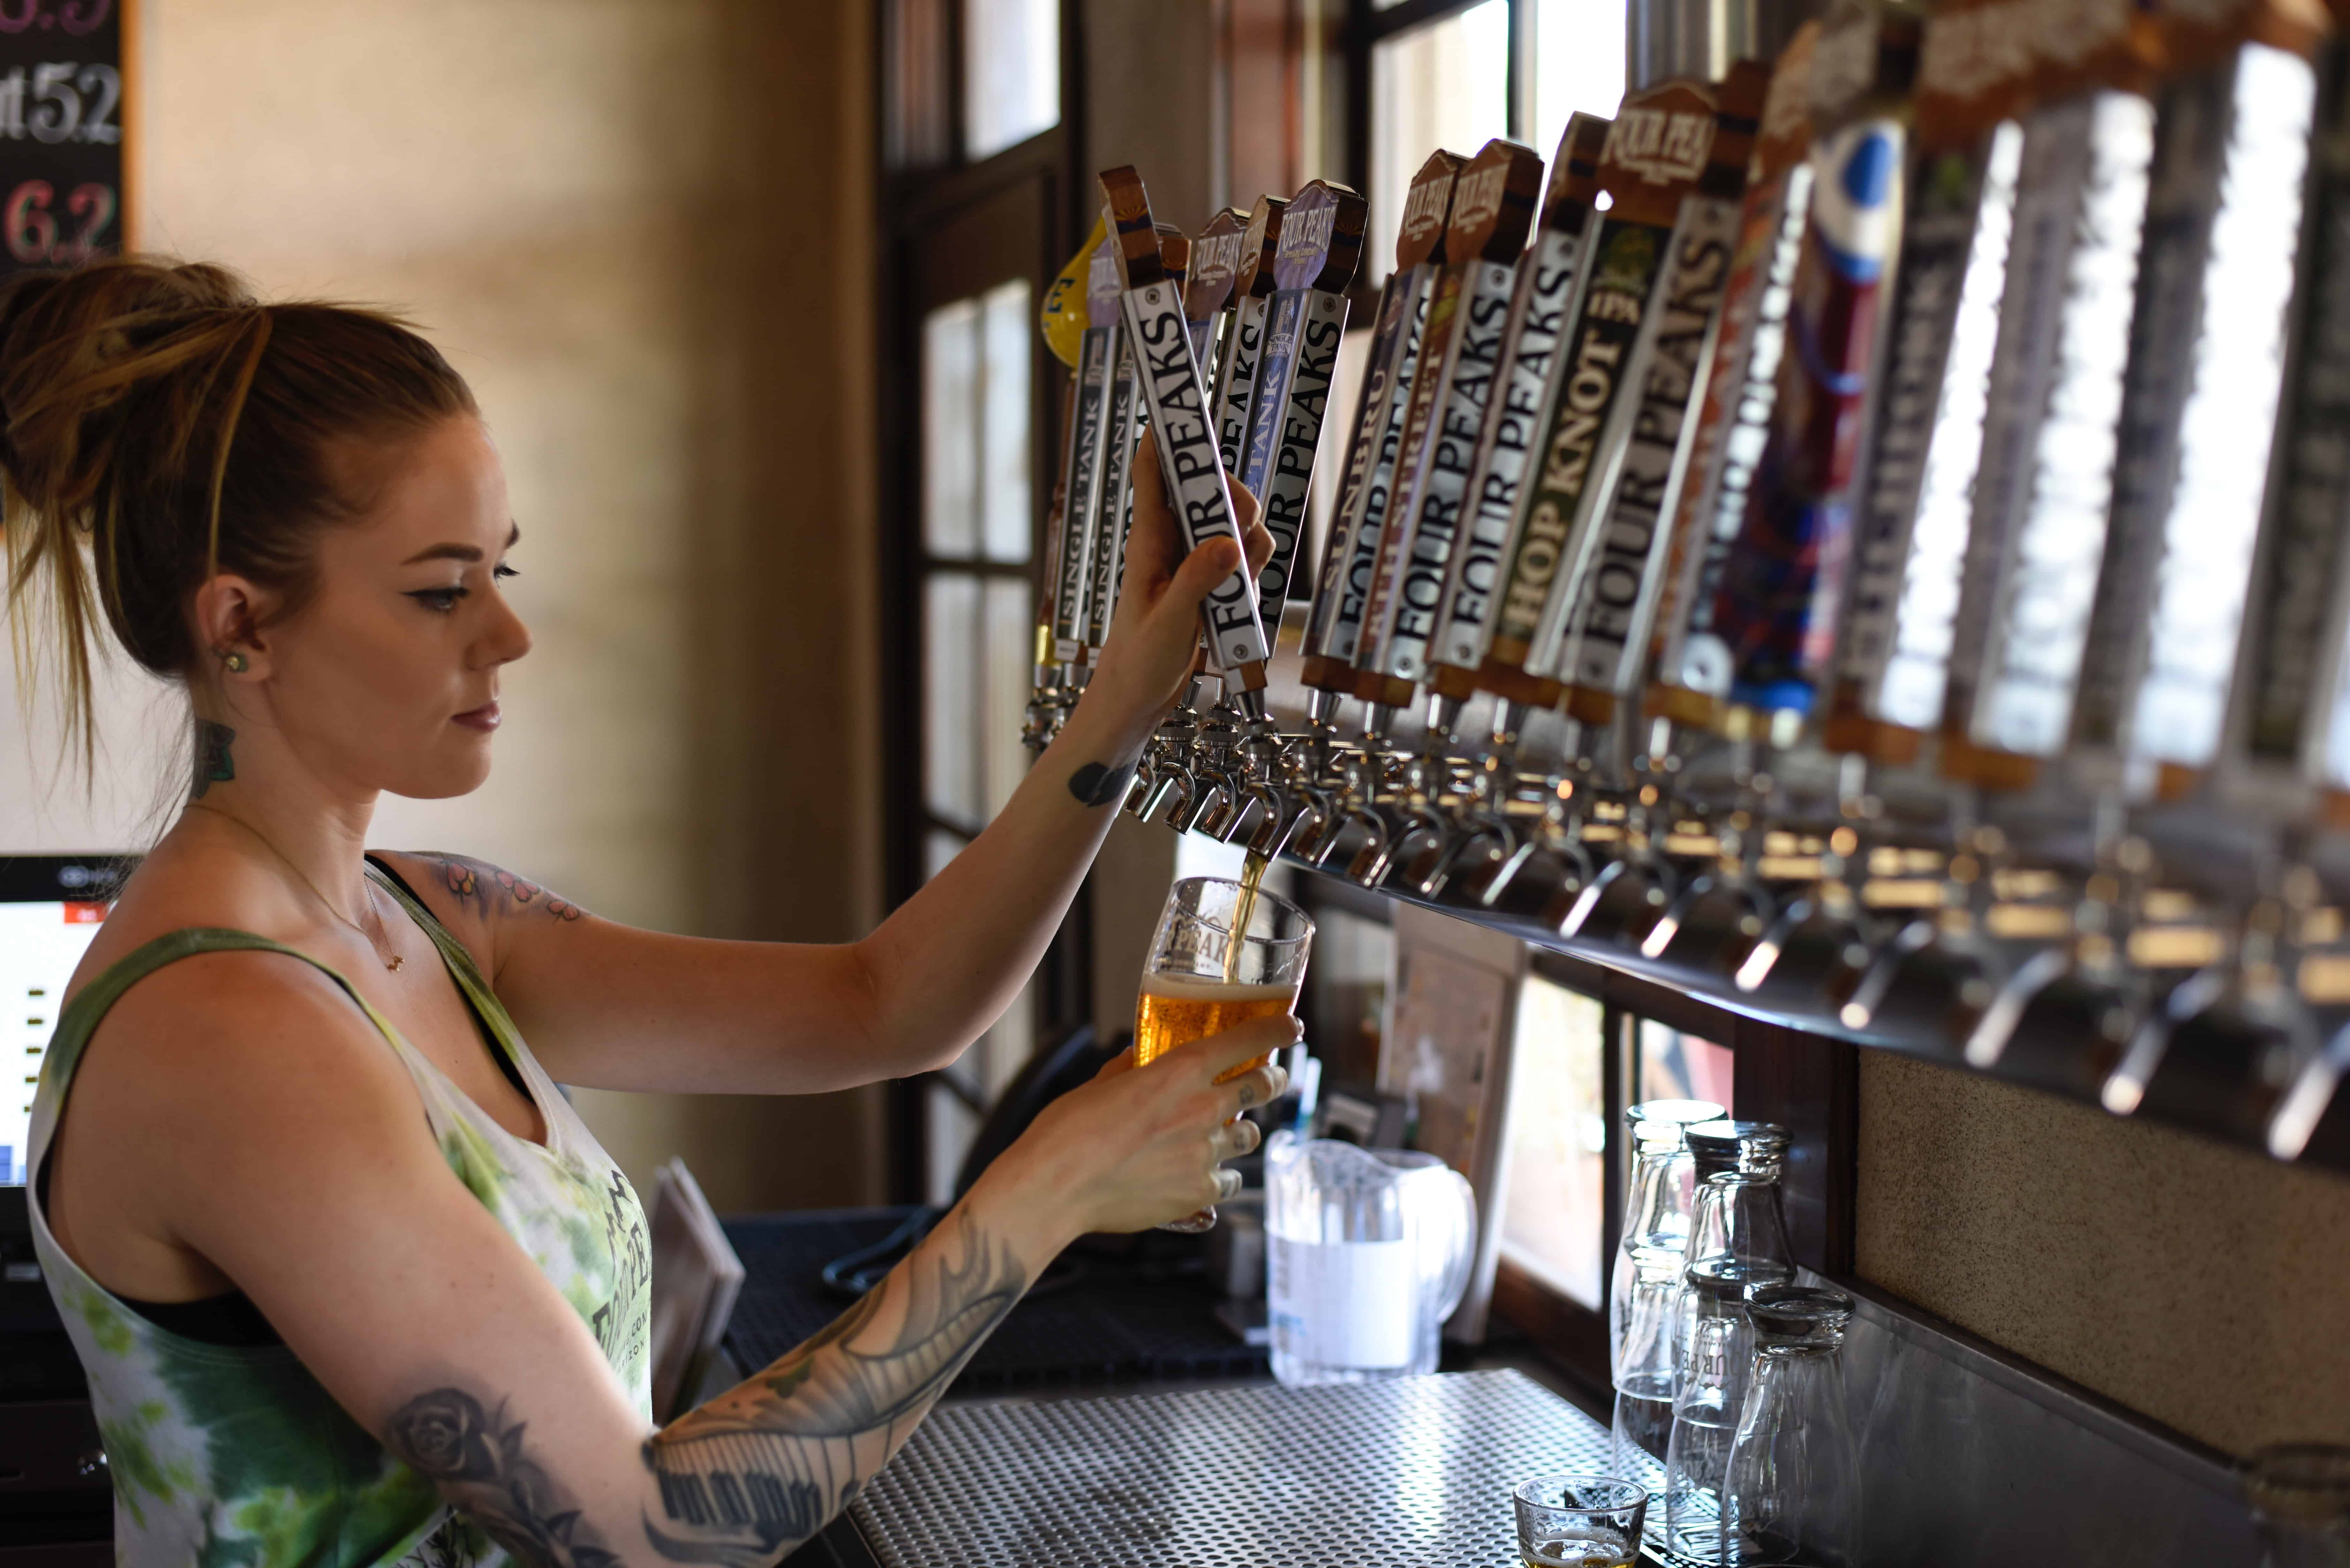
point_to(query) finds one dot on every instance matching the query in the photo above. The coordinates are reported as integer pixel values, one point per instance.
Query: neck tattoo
(214, 762)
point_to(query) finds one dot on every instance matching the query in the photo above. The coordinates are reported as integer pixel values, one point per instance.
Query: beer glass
(1225, 952)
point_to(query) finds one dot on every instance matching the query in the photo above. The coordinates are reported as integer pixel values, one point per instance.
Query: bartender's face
(388, 679)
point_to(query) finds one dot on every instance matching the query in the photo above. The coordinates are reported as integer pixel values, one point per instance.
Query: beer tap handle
(1692, 664)
(1174, 400)
(1237, 366)
(1321, 246)
(1208, 287)
(1401, 459)
(1338, 635)
(1541, 307)
(1632, 496)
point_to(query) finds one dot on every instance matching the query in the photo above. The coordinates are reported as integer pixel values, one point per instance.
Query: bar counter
(1113, 1421)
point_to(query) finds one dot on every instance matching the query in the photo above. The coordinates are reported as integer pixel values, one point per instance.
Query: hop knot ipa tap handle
(1175, 402)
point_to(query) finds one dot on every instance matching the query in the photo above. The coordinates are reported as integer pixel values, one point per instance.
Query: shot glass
(1579, 1521)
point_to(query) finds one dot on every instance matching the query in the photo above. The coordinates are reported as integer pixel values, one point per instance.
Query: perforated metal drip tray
(1407, 1474)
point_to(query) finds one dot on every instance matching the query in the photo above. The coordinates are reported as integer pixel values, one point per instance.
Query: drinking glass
(1579, 1521)
(2300, 1494)
(1225, 952)
(1792, 1494)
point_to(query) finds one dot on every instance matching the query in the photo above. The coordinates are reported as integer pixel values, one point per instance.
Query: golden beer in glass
(1225, 952)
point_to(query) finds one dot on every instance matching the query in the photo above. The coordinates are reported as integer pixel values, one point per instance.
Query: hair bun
(74, 345)
(158, 423)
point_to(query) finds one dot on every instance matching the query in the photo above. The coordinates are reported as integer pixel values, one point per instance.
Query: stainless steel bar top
(1413, 1471)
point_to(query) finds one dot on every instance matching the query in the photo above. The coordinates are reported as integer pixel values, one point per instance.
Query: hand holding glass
(1224, 953)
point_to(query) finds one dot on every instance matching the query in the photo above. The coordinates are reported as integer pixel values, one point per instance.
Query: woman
(297, 1179)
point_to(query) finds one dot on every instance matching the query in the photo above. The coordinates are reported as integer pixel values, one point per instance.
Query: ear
(229, 613)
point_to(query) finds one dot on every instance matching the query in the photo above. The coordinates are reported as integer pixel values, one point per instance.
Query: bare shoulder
(246, 1028)
(250, 1066)
(480, 903)
(228, 1097)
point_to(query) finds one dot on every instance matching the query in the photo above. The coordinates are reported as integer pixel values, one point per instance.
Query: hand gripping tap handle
(1175, 402)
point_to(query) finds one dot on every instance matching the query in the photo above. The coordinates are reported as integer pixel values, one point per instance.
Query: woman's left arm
(611, 1006)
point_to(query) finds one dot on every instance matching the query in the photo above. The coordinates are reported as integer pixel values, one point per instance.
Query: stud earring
(234, 661)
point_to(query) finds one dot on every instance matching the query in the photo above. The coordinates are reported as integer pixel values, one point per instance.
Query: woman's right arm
(325, 1199)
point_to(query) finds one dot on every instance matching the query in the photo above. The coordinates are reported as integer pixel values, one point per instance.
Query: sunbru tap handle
(1175, 402)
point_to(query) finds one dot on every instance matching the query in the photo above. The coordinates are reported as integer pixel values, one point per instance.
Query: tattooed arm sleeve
(764, 1467)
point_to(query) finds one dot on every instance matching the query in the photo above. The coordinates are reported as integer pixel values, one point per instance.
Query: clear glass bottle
(1792, 1491)
(1708, 1399)
(2300, 1493)
(1656, 1218)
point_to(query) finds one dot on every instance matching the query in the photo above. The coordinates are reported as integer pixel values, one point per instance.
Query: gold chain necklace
(376, 939)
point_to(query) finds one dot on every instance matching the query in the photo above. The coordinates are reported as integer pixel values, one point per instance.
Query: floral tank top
(230, 1455)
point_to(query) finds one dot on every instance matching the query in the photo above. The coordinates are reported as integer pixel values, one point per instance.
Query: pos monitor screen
(50, 908)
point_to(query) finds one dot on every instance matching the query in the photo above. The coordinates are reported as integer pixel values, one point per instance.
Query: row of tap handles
(1865, 534)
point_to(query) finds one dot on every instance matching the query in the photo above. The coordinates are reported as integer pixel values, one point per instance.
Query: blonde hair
(158, 424)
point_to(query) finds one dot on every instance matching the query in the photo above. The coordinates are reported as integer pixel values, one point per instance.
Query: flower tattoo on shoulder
(478, 885)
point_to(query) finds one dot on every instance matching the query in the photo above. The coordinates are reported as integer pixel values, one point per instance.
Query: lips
(484, 717)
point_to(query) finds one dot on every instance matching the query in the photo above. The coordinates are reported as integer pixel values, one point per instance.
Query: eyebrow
(458, 552)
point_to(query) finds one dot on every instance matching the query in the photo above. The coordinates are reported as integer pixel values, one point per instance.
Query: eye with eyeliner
(443, 601)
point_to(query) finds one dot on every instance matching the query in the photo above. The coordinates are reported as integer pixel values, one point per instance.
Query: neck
(244, 769)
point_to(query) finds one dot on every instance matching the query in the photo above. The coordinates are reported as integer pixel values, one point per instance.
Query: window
(1475, 70)
(966, 79)
(1679, 1066)
(976, 629)
(1443, 85)
(1555, 1213)
(1345, 1000)
(1578, 64)
(1012, 73)
(976, 614)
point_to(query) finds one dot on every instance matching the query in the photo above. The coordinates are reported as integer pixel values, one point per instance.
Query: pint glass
(1224, 953)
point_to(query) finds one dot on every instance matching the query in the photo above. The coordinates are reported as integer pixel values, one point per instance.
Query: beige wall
(641, 228)
(2204, 1285)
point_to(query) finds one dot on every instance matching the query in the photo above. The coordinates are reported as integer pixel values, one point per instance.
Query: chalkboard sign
(61, 141)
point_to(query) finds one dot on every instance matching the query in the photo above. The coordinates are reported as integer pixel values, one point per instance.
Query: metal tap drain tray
(1411, 1473)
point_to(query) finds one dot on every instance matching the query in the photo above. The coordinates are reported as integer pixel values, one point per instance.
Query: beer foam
(1205, 988)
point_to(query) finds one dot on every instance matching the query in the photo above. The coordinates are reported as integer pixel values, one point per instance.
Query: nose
(504, 639)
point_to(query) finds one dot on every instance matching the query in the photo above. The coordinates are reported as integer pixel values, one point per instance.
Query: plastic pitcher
(1368, 1252)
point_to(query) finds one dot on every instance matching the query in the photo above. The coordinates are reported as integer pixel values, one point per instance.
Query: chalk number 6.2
(31, 229)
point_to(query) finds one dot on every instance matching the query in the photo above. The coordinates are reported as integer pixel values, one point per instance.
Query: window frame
(925, 184)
